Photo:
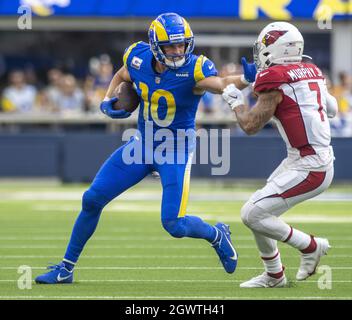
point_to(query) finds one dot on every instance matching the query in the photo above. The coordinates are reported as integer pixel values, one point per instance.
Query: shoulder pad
(204, 68)
(268, 79)
(128, 52)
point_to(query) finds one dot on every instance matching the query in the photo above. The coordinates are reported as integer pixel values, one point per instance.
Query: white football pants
(285, 188)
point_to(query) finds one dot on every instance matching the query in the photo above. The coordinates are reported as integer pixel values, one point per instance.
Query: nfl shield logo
(157, 80)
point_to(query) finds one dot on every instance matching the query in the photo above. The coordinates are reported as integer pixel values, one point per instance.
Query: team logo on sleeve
(272, 36)
(136, 63)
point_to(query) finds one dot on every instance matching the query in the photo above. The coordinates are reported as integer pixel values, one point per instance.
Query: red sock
(312, 246)
(277, 275)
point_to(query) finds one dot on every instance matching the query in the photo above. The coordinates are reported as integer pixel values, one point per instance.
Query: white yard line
(163, 268)
(12, 238)
(135, 208)
(178, 280)
(154, 195)
(141, 246)
(189, 257)
(117, 238)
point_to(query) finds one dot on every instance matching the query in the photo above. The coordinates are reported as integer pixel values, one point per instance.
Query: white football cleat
(310, 261)
(265, 281)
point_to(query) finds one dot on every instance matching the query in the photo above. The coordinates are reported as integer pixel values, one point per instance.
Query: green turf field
(131, 257)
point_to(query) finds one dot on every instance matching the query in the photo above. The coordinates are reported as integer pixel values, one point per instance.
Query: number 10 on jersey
(152, 105)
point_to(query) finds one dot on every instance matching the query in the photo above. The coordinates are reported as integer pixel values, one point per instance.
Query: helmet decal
(272, 36)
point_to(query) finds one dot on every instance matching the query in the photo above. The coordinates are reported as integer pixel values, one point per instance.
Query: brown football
(128, 97)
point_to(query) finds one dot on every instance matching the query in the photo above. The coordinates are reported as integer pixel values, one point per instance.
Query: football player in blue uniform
(170, 81)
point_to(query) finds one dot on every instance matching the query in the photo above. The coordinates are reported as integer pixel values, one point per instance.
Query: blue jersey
(167, 99)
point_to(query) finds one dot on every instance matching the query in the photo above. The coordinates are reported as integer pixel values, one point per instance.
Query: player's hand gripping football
(107, 107)
(233, 96)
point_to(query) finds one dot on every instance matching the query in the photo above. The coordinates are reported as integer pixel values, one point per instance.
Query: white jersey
(301, 117)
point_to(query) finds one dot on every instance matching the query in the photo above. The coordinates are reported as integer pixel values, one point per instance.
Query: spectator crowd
(64, 94)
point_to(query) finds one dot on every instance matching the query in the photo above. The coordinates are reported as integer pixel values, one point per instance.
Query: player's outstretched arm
(216, 84)
(252, 120)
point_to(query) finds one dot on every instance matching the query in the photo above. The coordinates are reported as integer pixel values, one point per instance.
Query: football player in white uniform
(295, 96)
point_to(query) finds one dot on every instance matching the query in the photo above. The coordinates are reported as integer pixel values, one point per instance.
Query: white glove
(233, 96)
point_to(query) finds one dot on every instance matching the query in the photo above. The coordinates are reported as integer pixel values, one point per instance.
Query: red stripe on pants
(312, 182)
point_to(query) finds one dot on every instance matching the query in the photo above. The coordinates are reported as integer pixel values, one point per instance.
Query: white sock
(217, 236)
(298, 239)
(272, 264)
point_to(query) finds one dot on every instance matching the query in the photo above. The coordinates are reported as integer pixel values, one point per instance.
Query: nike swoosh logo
(235, 97)
(234, 257)
(263, 74)
(59, 278)
(211, 67)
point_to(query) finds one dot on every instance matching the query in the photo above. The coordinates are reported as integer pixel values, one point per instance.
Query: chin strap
(307, 57)
(175, 64)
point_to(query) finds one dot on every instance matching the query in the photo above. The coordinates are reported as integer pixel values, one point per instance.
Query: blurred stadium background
(54, 75)
(52, 79)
